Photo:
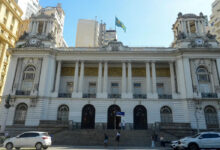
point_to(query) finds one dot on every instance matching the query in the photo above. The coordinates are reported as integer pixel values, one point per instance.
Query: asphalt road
(99, 148)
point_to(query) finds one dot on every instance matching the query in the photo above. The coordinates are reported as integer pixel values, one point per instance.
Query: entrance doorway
(113, 120)
(88, 117)
(140, 117)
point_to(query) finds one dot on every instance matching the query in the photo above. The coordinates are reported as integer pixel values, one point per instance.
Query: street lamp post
(7, 106)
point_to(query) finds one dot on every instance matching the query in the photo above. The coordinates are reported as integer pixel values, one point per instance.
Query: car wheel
(45, 147)
(38, 146)
(17, 148)
(9, 146)
(193, 147)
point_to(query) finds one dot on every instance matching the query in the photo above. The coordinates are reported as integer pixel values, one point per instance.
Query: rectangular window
(160, 88)
(114, 88)
(92, 88)
(69, 87)
(137, 88)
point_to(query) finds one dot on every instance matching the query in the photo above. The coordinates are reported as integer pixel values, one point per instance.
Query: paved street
(94, 147)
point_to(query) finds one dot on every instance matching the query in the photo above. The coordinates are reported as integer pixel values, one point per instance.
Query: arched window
(203, 80)
(63, 113)
(28, 78)
(20, 114)
(211, 117)
(166, 114)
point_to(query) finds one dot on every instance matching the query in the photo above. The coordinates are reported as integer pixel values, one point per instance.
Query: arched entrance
(211, 117)
(140, 117)
(113, 120)
(20, 114)
(88, 117)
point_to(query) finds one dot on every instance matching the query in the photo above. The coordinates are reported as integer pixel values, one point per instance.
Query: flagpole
(115, 24)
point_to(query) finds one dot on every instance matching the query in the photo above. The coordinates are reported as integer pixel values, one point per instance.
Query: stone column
(43, 31)
(172, 78)
(105, 81)
(57, 85)
(76, 76)
(148, 79)
(154, 80)
(81, 78)
(188, 28)
(197, 29)
(123, 87)
(99, 87)
(33, 27)
(130, 92)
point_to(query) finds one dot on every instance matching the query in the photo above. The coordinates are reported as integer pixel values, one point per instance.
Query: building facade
(10, 20)
(174, 85)
(215, 19)
(28, 7)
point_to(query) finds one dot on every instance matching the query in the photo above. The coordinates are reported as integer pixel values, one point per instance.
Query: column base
(126, 95)
(175, 96)
(102, 95)
(152, 95)
(77, 95)
(197, 95)
(54, 94)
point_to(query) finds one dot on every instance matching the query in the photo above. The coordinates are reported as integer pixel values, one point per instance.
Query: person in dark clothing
(105, 140)
(118, 137)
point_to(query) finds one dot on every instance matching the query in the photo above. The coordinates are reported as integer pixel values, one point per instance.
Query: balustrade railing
(140, 96)
(89, 95)
(65, 95)
(209, 95)
(114, 95)
(164, 96)
(22, 92)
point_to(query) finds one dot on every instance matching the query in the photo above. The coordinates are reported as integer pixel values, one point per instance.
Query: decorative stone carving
(33, 102)
(210, 36)
(115, 46)
(181, 36)
(194, 44)
(23, 37)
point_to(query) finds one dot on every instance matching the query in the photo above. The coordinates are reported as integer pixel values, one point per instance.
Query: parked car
(174, 145)
(29, 139)
(201, 141)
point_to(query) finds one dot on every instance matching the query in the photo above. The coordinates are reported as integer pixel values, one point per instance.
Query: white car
(29, 139)
(174, 145)
(201, 141)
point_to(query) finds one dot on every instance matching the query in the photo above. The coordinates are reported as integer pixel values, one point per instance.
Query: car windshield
(195, 136)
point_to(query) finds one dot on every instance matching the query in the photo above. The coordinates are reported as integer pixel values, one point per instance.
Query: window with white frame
(160, 88)
(69, 87)
(203, 80)
(28, 78)
(137, 88)
(92, 88)
(114, 88)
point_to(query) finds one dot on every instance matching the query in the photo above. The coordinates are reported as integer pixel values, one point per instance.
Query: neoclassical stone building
(174, 85)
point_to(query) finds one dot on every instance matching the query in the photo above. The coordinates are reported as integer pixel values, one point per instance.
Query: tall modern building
(90, 33)
(215, 19)
(28, 7)
(10, 21)
(176, 87)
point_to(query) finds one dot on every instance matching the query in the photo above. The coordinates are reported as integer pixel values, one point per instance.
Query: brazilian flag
(118, 23)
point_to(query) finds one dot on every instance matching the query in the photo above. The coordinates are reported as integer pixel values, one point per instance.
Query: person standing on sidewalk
(105, 140)
(118, 137)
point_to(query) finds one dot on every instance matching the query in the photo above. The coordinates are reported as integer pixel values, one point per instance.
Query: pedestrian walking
(162, 142)
(153, 139)
(105, 140)
(118, 137)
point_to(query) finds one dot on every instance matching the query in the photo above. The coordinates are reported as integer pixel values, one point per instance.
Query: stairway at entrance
(80, 137)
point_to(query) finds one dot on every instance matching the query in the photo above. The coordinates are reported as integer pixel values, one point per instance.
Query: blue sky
(148, 22)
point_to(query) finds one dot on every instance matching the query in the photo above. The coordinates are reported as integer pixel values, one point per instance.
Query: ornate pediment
(116, 46)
